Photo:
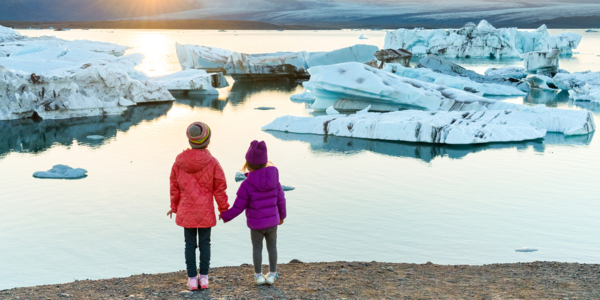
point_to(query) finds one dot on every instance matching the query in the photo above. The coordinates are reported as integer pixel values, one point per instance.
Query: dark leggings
(257, 236)
(191, 244)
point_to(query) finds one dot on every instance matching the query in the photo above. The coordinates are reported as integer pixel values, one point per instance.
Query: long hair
(248, 167)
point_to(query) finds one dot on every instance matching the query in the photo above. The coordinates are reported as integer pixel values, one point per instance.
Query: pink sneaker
(203, 282)
(192, 283)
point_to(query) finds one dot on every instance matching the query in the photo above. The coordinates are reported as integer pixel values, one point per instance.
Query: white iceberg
(507, 72)
(526, 249)
(541, 82)
(95, 137)
(267, 66)
(354, 81)
(286, 188)
(542, 62)
(461, 83)
(387, 56)
(582, 86)
(61, 172)
(306, 96)
(100, 87)
(239, 176)
(480, 41)
(417, 126)
(362, 37)
(12, 42)
(441, 65)
(191, 81)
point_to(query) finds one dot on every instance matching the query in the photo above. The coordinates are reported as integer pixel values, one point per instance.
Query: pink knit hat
(257, 153)
(198, 134)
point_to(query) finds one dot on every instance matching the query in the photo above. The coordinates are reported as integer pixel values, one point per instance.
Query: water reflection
(30, 136)
(421, 151)
(202, 100)
(550, 98)
(241, 91)
(591, 106)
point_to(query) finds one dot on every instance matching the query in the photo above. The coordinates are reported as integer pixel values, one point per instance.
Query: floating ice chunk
(357, 53)
(592, 30)
(457, 82)
(507, 72)
(286, 188)
(362, 37)
(61, 172)
(31, 48)
(399, 56)
(364, 111)
(331, 111)
(525, 249)
(95, 137)
(441, 65)
(542, 62)
(482, 40)
(267, 66)
(419, 126)
(239, 176)
(264, 108)
(202, 57)
(541, 82)
(305, 96)
(100, 87)
(582, 86)
(192, 81)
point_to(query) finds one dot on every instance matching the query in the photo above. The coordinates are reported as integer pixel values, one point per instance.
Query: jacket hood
(264, 179)
(193, 160)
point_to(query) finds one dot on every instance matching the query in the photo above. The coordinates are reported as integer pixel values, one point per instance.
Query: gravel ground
(347, 280)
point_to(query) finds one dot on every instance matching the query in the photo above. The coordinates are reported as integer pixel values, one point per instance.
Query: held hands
(170, 213)
(280, 221)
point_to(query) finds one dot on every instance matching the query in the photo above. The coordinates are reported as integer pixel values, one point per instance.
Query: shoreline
(346, 280)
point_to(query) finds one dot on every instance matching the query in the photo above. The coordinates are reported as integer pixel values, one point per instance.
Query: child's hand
(281, 222)
(220, 217)
(170, 213)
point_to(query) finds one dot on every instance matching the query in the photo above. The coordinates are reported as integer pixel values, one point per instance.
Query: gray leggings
(257, 237)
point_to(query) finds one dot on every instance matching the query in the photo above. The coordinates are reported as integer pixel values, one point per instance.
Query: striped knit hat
(199, 135)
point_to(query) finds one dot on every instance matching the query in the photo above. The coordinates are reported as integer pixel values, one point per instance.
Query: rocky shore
(347, 280)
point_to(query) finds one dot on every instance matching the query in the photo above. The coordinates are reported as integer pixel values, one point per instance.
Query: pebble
(65, 295)
(211, 278)
(344, 271)
(295, 261)
(268, 298)
(185, 293)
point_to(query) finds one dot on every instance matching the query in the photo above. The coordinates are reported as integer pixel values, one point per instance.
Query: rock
(389, 268)
(186, 293)
(429, 263)
(65, 295)
(344, 271)
(268, 298)
(211, 278)
(295, 261)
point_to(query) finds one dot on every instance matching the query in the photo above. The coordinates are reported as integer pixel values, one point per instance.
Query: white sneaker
(260, 279)
(271, 278)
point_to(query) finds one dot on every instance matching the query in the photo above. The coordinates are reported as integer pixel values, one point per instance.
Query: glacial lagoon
(354, 199)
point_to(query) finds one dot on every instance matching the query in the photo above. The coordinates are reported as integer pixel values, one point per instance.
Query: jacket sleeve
(281, 205)
(241, 203)
(220, 188)
(175, 192)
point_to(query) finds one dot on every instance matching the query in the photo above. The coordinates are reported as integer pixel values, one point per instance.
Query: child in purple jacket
(263, 199)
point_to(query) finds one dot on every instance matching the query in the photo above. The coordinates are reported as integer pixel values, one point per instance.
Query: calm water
(354, 199)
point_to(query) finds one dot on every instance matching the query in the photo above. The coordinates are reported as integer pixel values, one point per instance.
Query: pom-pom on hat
(257, 153)
(198, 134)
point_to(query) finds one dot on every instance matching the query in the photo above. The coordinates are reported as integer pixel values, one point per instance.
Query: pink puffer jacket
(195, 178)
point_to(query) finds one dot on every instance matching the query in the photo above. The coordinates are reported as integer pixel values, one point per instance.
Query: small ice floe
(525, 249)
(306, 96)
(286, 188)
(592, 30)
(363, 37)
(264, 108)
(61, 172)
(239, 176)
(95, 137)
(331, 111)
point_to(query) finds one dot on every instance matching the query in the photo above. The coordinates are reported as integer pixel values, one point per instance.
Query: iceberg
(61, 172)
(13, 42)
(457, 128)
(267, 66)
(191, 81)
(387, 56)
(358, 82)
(461, 83)
(541, 82)
(480, 41)
(507, 72)
(582, 86)
(441, 65)
(362, 37)
(542, 62)
(100, 87)
(526, 249)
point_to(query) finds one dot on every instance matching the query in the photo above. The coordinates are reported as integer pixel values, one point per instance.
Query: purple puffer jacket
(262, 198)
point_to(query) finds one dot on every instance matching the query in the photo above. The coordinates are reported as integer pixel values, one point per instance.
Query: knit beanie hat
(257, 153)
(199, 135)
